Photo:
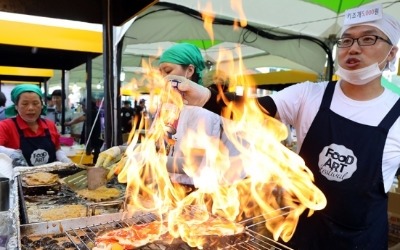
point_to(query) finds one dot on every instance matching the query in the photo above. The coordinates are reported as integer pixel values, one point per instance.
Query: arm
(76, 120)
(216, 104)
(210, 99)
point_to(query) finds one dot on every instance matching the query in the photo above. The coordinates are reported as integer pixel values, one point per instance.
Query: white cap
(389, 25)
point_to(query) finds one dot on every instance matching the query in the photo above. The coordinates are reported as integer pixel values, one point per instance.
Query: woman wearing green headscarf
(185, 60)
(26, 137)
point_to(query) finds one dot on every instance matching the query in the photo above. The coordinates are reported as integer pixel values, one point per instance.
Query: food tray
(40, 203)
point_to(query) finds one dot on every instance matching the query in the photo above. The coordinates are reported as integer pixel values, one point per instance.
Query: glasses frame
(358, 42)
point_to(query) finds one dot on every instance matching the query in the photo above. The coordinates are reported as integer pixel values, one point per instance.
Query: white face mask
(361, 76)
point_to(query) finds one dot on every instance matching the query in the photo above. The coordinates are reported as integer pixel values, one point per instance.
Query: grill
(35, 201)
(81, 233)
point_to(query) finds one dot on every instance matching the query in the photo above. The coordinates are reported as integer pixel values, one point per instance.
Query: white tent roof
(160, 26)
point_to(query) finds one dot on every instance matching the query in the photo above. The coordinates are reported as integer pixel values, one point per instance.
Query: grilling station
(39, 215)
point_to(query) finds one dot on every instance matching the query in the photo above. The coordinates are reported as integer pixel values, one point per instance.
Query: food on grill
(102, 193)
(142, 234)
(64, 212)
(214, 226)
(131, 237)
(56, 242)
(40, 178)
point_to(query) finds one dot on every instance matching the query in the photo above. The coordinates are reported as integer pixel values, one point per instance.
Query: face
(56, 100)
(29, 106)
(356, 56)
(176, 69)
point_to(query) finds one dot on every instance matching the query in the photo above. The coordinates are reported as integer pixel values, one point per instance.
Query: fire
(259, 177)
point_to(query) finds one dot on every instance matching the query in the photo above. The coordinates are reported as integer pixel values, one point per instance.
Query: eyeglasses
(362, 41)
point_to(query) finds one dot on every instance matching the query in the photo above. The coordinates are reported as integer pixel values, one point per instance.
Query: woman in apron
(26, 137)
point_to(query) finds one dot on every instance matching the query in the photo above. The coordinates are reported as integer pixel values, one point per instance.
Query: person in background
(49, 101)
(127, 114)
(3, 101)
(95, 142)
(140, 111)
(27, 138)
(356, 119)
(58, 98)
(185, 60)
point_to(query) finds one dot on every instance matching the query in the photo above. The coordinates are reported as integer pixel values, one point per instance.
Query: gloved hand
(110, 156)
(61, 156)
(18, 158)
(193, 93)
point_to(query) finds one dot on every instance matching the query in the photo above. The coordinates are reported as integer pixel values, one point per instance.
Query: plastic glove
(18, 158)
(61, 156)
(193, 93)
(108, 157)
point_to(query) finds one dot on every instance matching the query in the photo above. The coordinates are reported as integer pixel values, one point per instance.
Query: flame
(237, 6)
(208, 19)
(246, 173)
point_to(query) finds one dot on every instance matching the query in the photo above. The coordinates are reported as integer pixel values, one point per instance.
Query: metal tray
(36, 201)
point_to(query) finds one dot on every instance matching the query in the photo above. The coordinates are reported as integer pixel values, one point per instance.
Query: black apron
(346, 159)
(37, 150)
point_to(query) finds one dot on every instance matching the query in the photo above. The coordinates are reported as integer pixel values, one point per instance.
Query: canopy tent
(291, 34)
(147, 37)
(18, 74)
(89, 11)
(317, 18)
(107, 13)
(306, 32)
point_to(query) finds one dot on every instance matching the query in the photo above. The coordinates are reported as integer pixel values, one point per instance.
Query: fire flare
(261, 177)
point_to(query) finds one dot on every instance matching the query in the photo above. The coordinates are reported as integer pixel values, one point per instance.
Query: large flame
(259, 177)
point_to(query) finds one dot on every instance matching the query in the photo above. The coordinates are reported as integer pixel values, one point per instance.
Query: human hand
(193, 93)
(62, 157)
(108, 157)
(18, 158)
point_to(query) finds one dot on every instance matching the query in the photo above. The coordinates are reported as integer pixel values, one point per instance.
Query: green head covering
(185, 54)
(10, 110)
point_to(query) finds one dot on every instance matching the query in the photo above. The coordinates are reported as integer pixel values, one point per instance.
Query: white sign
(363, 14)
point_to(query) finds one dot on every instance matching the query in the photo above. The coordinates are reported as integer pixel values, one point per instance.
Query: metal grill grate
(84, 237)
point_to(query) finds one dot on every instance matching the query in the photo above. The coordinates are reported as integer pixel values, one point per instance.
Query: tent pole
(108, 75)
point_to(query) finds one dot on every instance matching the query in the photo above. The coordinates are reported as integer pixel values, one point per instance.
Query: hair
(3, 99)
(195, 76)
(58, 92)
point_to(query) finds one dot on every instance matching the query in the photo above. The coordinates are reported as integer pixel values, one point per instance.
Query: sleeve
(8, 135)
(268, 104)
(3, 133)
(215, 104)
(291, 100)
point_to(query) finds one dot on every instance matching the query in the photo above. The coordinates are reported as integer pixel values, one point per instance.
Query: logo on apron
(337, 163)
(39, 157)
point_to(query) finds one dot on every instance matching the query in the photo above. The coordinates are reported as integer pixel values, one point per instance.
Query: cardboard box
(394, 213)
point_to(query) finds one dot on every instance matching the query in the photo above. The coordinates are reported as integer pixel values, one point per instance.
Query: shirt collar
(23, 125)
